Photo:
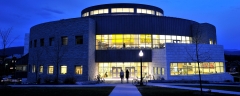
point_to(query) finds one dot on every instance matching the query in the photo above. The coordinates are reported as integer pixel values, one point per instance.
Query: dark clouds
(53, 10)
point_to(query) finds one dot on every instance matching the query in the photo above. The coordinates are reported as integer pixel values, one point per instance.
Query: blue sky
(21, 15)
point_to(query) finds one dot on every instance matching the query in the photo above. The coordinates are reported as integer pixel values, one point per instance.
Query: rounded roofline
(121, 5)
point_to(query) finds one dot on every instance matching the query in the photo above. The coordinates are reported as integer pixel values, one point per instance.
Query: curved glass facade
(137, 41)
(122, 10)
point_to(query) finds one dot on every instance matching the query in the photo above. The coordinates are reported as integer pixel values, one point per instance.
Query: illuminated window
(122, 10)
(78, 70)
(210, 41)
(192, 68)
(21, 68)
(158, 70)
(63, 70)
(136, 41)
(162, 71)
(40, 69)
(145, 11)
(154, 70)
(50, 69)
(33, 68)
(99, 11)
(85, 14)
(158, 14)
(64, 40)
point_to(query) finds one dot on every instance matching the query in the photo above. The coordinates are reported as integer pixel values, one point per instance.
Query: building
(107, 38)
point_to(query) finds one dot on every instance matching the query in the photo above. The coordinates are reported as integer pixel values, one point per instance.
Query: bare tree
(6, 41)
(36, 60)
(196, 53)
(56, 53)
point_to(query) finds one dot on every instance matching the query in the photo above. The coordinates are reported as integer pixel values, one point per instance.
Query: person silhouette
(121, 75)
(127, 75)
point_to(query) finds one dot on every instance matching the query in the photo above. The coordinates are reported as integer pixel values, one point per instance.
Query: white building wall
(159, 60)
(186, 53)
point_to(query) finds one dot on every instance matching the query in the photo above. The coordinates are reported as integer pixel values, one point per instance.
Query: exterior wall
(26, 44)
(73, 54)
(123, 55)
(92, 66)
(159, 59)
(184, 52)
(132, 24)
(206, 31)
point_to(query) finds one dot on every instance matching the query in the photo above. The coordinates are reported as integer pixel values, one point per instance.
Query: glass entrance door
(131, 71)
(116, 72)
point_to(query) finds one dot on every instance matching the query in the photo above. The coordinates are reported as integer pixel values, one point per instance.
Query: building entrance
(113, 69)
(116, 72)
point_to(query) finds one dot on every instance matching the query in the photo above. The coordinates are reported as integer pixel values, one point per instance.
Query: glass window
(95, 12)
(50, 69)
(144, 10)
(79, 39)
(42, 42)
(105, 10)
(40, 69)
(33, 68)
(192, 68)
(135, 41)
(114, 10)
(64, 40)
(63, 69)
(154, 70)
(168, 36)
(78, 70)
(162, 36)
(149, 12)
(210, 41)
(179, 38)
(35, 43)
(139, 10)
(51, 41)
(158, 14)
(158, 70)
(174, 37)
(162, 71)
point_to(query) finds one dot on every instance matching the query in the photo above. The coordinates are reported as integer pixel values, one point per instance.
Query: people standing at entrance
(121, 76)
(127, 75)
(124, 45)
(106, 75)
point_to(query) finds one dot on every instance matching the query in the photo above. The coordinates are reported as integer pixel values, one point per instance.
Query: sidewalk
(125, 90)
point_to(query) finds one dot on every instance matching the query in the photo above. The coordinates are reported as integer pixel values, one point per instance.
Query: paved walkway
(125, 90)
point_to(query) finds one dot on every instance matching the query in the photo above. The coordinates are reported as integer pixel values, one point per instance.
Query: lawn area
(162, 91)
(227, 88)
(66, 91)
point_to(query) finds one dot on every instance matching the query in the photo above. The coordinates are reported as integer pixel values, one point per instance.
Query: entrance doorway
(131, 71)
(116, 72)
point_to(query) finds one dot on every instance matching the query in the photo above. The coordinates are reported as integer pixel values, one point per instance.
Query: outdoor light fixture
(141, 55)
